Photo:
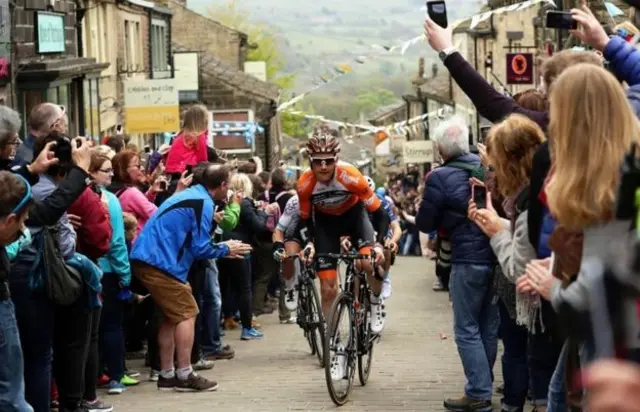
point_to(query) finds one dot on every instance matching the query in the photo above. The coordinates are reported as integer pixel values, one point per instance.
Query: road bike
(309, 312)
(355, 345)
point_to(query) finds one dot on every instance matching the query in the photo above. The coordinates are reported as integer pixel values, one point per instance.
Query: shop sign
(519, 68)
(151, 106)
(50, 32)
(417, 151)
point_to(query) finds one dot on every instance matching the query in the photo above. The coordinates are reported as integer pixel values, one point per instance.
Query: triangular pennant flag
(613, 10)
(405, 47)
(361, 59)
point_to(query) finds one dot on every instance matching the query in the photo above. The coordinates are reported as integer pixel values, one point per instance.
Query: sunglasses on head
(323, 161)
(26, 199)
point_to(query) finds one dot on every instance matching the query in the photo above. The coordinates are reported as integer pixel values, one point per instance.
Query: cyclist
(288, 241)
(340, 198)
(391, 238)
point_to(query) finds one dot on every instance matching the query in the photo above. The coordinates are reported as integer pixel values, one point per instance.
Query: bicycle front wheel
(316, 320)
(365, 338)
(340, 350)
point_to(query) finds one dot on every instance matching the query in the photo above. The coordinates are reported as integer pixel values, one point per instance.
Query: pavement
(415, 364)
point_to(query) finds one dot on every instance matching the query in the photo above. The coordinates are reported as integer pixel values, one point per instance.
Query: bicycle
(309, 312)
(354, 301)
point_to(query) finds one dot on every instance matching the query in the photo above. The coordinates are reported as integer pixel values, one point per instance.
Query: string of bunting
(337, 71)
(325, 120)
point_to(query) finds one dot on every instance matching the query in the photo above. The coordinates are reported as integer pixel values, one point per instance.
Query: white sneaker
(291, 299)
(386, 288)
(154, 375)
(376, 317)
(338, 364)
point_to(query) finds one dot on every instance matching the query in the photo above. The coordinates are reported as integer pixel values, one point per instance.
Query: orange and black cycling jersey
(341, 193)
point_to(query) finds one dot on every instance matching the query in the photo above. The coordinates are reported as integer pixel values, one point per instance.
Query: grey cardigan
(513, 250)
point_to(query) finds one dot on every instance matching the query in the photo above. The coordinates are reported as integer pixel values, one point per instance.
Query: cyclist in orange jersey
(339, 197)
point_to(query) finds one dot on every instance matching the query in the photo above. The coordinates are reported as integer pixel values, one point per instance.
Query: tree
(265, 47)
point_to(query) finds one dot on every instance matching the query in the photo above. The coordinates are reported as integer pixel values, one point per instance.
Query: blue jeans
(514, 361)
(34, 314)
(544, 350)
(557, 401)
(111, 333)
(475, 324)
(211, 307)
(11, 367)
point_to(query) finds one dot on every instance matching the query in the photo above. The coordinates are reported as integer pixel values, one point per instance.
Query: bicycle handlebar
(346, 256)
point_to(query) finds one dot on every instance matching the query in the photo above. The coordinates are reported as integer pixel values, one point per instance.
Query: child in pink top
(190, 146)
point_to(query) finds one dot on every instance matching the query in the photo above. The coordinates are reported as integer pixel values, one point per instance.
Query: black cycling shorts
(329, 229)
(295, 235)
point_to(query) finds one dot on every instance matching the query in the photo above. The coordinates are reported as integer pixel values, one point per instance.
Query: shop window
(91, 108)
(159, 46)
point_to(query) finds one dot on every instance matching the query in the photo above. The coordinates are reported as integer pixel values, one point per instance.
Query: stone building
(140, 50)
(222, 84)
(48, 62)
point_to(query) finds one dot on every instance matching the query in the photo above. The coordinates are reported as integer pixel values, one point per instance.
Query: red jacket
(180, 156)
(94, 235)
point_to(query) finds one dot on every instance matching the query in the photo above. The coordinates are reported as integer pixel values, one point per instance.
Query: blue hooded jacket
(179, 233)
(445, 201)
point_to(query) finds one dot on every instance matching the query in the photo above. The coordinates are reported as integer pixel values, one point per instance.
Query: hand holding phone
(437, 11)
(479, 195)
(560, 20)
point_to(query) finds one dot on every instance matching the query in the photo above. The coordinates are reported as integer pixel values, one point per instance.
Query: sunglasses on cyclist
(323, 161)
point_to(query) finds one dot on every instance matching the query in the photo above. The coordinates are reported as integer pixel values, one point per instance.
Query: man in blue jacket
(475, 316)
(178, 234)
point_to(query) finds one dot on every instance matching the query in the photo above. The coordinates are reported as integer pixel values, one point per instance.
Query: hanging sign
(519, 68)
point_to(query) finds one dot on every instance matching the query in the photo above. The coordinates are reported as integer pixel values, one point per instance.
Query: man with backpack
(445, 200)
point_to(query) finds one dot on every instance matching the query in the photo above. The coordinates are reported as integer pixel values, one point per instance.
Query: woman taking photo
(510, 149)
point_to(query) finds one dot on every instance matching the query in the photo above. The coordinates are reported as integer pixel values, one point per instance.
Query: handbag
(63, 285)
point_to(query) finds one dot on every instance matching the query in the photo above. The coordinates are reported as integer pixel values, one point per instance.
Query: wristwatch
(446, 53)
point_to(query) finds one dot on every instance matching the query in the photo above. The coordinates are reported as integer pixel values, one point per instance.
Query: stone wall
(200, 33)
(25, 31)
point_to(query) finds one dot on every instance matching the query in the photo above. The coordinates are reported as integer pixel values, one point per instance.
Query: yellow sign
(151, 106)
(157, 119)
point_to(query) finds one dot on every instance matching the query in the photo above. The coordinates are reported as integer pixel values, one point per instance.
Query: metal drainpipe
(475, 62)
(80, 13)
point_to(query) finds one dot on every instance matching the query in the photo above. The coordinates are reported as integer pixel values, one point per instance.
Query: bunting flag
(340, 70)
(613, 10)
(325, 120)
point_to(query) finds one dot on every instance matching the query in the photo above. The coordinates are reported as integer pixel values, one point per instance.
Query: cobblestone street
(415, 364)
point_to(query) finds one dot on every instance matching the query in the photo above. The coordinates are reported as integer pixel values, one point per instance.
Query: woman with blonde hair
(236, 274)
(592, 126)
(511, 146)
(190, 145)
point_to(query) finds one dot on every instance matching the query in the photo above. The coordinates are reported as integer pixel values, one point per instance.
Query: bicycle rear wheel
(365, 337)
(316, 320)
(339, 350)
(304, 317)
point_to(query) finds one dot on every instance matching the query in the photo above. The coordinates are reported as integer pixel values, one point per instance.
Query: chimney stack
(421, 68)
(434, 69)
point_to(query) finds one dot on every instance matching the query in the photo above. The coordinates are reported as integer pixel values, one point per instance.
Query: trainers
(129, 381)
(251, 334)
(465, 404)
(229, 324)
(154, 375)
(291, 299)
(103, 380)
(386, 288)
(291, 320)
(376, 318)
(225, 353)
(203, 365)
(116, 388)
(437, 285)
(131, 373)
(96, 406)
(338, 364)
(167, 384)
(195, 383)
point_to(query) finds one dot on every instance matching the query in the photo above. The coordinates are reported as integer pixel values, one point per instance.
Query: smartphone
(189, 169)
(560, 20)
(437, 11)
(163, 185)
(479, 194)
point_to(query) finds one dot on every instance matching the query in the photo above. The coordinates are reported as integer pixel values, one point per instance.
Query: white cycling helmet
(371, 183)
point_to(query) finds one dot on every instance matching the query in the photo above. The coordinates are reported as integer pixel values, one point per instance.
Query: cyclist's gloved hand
(308, 253)
(278, 251)
(345, 243)
(390, 244)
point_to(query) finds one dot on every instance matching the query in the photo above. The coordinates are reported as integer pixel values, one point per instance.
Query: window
(128, 57)
(159, 45)
(91, 108)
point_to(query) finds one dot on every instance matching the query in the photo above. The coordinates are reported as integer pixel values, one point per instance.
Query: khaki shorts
(173, 297)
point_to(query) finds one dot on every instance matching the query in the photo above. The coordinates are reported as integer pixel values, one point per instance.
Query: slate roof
(211, 66)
